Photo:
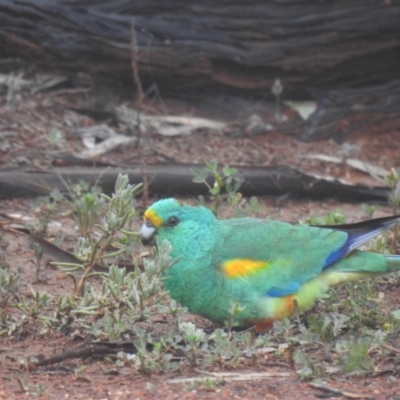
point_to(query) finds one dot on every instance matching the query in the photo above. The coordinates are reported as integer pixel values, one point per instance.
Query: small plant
(328, 326)
(82, 201)
(95, 250)
(369, 210)
(392, 180)
(227, 182)
(211, 384)
(277, 90)
(227, 348)
(234, 311)
(356, 360)
(309, 369)
(176, 311)
(38, 252)
(41, 390)
(35, 309)
(86, 203)
(9, 286)
(254, 207)
(194, 339)
(138, 291)
(152, 355)
(45, 207)
(109, 309)
(56, 138)
(333, 218)
(124, 299)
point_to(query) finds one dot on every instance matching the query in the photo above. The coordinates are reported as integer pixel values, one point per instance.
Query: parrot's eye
(172, 221)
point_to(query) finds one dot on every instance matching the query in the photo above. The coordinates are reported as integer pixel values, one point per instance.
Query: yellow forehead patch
(242, 267)
(153, 217)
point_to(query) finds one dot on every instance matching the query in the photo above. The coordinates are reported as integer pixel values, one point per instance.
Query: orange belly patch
(284, 308)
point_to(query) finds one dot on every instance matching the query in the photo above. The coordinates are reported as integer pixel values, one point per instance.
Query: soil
(26, 129)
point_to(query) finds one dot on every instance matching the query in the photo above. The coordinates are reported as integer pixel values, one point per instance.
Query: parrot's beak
(148, 233)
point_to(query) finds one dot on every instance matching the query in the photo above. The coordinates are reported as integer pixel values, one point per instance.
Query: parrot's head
(175, 222)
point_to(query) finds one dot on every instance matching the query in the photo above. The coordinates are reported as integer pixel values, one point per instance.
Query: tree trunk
(209, 46)
(343, 53)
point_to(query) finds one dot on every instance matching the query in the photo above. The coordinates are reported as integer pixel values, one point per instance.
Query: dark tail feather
(360, 233)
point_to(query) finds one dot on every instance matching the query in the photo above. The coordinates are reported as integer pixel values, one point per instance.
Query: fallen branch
(177, 180)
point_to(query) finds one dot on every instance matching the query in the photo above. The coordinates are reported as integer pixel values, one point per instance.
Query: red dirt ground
(25, 135)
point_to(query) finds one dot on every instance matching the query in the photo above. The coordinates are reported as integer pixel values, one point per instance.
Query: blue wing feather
(290, 288)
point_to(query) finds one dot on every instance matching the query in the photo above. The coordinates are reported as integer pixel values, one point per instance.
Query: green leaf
(227, 171)
(212, 166)
(200, 175)
(215, 190)
(357, 360)
(56, 195)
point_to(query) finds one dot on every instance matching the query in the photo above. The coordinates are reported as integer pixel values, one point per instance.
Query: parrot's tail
(360, 265)
(393, 262)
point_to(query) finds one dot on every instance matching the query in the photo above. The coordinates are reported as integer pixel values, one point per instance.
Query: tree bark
(209, 46)
(345, 54)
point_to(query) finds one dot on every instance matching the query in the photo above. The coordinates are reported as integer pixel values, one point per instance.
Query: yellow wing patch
(242, 267)
(153, 217)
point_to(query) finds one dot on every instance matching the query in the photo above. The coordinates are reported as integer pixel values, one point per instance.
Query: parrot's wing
(276, 258)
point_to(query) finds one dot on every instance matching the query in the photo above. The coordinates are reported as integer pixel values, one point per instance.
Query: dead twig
(135, 63)
(145, 184)
(85, 351)
(343, 393)
(230, 376)
(136, 79)
(385, 346)
(80, 352)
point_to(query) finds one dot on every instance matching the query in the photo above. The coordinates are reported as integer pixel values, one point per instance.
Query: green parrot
(263, 265)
